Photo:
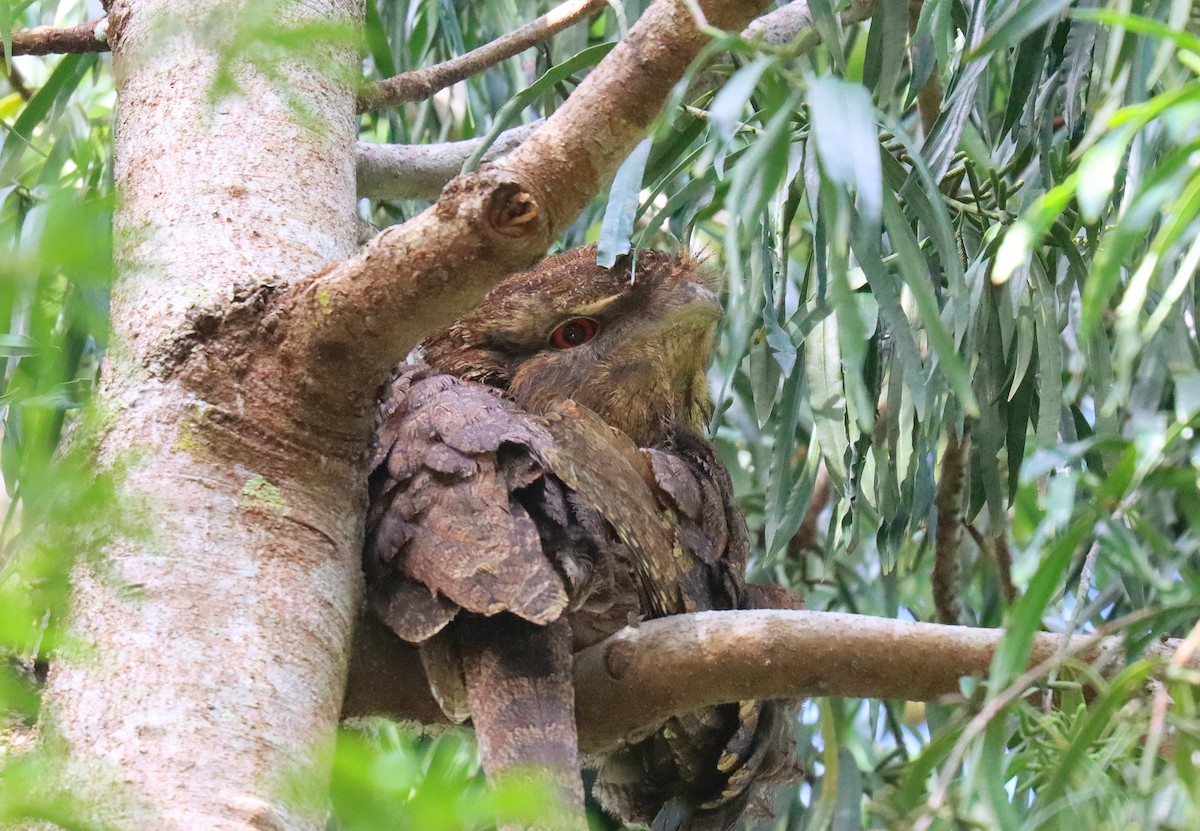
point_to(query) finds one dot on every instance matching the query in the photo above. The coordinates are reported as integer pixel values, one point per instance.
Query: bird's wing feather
(703, 771)
(609, 473)
(445, 531)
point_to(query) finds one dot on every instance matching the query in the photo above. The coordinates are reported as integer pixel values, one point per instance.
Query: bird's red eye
(575, 332)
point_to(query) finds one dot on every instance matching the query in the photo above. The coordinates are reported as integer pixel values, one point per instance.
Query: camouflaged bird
(541, 481)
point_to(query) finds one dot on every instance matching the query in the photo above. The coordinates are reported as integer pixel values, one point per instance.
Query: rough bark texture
(678, 664)
(213, 649)
(414, 279)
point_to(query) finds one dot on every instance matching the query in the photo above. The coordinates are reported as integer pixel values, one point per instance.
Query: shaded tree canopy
(957, 382)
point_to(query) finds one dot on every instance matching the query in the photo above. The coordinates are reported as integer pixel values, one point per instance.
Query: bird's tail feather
(522, 702)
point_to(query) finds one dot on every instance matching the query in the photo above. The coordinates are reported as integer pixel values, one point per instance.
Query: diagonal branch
(345, 328)
(420, 84)
(52, 40)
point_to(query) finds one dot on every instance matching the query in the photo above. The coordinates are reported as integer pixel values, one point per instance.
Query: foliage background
(1020, 270)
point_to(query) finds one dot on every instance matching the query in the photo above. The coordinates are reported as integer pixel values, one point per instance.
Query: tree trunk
(237, 395)
(212, 646)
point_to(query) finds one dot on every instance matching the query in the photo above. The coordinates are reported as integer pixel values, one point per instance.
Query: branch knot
(512, 211)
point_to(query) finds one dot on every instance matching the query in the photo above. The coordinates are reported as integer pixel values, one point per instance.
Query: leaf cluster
(956, 220)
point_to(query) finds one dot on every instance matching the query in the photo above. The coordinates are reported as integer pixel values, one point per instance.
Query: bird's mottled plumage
(643, 373)
(570, 485)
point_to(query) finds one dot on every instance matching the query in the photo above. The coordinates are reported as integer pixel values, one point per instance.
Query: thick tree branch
(678, 664)
(50, 40)
(421, 83)
(345, 329)
(420, 171)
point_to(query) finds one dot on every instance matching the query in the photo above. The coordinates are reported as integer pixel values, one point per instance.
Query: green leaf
(1099, 720)
(827, 26)
(377, 43)
(510, 112)
(917, 279)
(823, 367)
(1024, 17)
(57, 89)
(1027, 232)
(17, 346)
(1138, 24)
(6, 27)
(617, 226)
(843, 128)
(728, 106)
(1025, 617)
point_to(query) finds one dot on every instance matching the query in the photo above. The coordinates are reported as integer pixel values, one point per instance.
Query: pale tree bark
(213, 649)
(238, 395)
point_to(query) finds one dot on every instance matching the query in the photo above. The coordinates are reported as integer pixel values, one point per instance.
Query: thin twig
(1162, 703)
(1081, 593)
(993, 707)
(17, 81)
(420, 84)
(51, 40)
(413, 172)
(951, 485)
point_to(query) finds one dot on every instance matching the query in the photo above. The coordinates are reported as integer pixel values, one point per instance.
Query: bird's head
(631, 348)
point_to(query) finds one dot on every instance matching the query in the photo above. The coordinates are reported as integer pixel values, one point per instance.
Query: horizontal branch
(680, 664)
(793, 24)
(420, 84)
(51, 40)
(420, 171)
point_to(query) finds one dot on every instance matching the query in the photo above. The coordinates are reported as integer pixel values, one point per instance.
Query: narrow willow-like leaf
(843, 129)
(1024, 17)
(827, 395)
(6, 27)
(884, 60)
(1165, 181)
(949, 361)
(511, 111)
(1027, 70)
(781, 482)
(727, 107)
(57, 89)
(918, 191)
(826, 24)
(1027, 232)
(617, 225)
(1139, 24)
(865, 244)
